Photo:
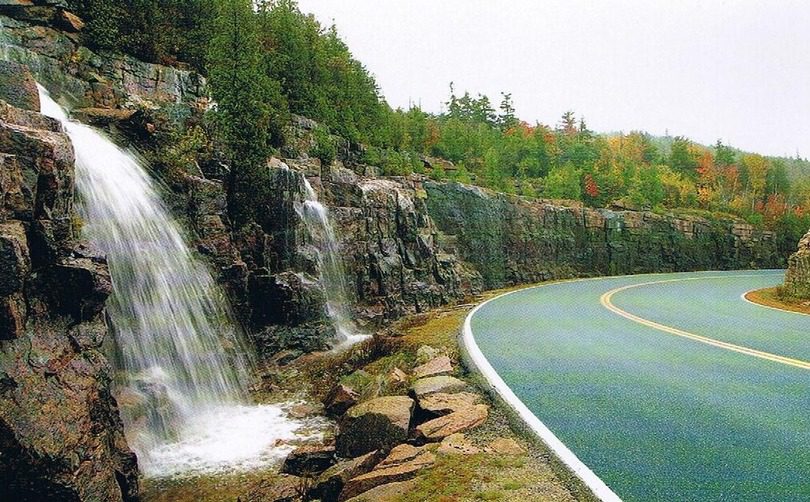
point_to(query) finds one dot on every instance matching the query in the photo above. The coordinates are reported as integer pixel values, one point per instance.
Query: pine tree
(240, 89)
(507, 118)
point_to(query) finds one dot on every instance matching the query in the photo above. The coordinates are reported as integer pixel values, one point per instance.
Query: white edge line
(577, 466)
(743, 296)
(582, 471)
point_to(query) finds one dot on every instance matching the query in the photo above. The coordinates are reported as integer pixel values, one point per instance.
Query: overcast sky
(736, 70)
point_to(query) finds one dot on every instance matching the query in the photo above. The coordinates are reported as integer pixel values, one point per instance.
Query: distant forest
(266, 60)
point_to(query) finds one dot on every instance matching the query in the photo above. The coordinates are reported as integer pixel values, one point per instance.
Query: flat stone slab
(505, 446)
(457, 444)
(458, 421)
(443, 404)
(432, 385)
(403, 463)
(438, 366)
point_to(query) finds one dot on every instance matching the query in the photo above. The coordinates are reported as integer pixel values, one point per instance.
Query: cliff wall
(61, 437)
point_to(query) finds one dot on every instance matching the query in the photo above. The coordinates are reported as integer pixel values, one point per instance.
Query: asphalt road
(668, 386)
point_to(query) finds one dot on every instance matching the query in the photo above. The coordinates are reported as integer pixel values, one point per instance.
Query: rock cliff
(61, 437)
(797, 277)
(510, 240)
(408, 243)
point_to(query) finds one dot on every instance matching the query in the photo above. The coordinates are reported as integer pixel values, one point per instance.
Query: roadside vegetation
(778, 298)
(267, 60)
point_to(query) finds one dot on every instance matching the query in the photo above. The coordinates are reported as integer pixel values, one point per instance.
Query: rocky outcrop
(61, 437)
(42, 35)
(403, 463)
(797, 277)
(409, 244)
(378, 424)
(330, 483)
(511, 240)
(463, 419)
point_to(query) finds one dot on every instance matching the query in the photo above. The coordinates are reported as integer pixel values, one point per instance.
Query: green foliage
(185, 150)
(647, 190)
(564, 183)
(462, 175)
(241, 90)
(160, 31)
(267, 59)
(438, 173)
(325, 148)
(682, 156)
(318, 75)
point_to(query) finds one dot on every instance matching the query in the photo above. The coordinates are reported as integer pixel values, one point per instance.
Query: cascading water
(333, 279)
(184, 376)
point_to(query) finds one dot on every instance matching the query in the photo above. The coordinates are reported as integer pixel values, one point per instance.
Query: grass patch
(775, 297)
(487, 477)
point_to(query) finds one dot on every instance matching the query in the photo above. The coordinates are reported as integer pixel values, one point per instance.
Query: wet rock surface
(61, 437)
(308, 460)
(18, 87)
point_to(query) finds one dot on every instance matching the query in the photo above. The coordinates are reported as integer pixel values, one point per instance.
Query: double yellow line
(605, 300)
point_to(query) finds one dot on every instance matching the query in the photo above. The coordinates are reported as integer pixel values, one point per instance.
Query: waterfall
(333, 279)
(181, 371)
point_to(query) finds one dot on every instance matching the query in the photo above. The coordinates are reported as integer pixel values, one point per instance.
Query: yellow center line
(605, 300)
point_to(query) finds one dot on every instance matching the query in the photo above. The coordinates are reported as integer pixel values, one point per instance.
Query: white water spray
(184, 376)
(333, 279)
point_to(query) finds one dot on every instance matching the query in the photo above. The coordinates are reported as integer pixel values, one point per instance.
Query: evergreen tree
(240, 89)
(507, 118)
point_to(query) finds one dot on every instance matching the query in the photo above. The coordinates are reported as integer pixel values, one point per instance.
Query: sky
(732, 70)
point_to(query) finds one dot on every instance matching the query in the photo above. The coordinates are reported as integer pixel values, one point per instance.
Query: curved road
(667, 386)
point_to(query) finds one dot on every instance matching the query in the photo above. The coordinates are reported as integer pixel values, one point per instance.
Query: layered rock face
(410, 244)
(60, 434)
(797, 277)
(510, 240)
(44, 36)
(393, 263)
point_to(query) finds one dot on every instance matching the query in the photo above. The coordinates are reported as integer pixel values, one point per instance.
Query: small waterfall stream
(182, 366)
(333, 278)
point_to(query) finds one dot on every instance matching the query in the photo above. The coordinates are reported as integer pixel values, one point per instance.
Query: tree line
(266, 60)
